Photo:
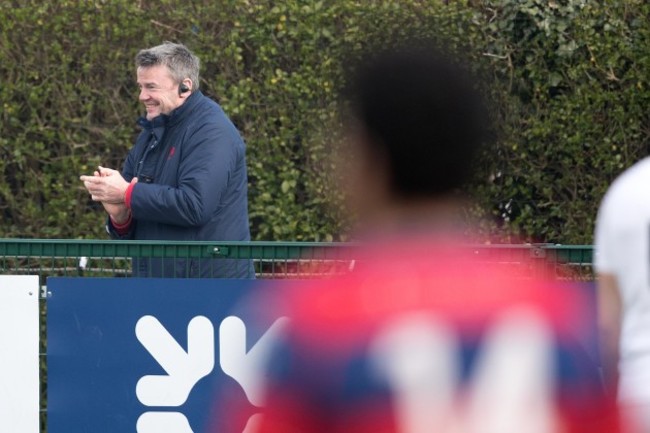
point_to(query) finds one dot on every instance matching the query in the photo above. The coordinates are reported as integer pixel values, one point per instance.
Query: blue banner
(154, 355)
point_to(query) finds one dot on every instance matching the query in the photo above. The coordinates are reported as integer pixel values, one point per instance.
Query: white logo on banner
(246, 367)
(185, 368)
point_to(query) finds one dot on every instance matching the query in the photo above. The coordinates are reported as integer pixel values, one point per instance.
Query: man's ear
(185, 88)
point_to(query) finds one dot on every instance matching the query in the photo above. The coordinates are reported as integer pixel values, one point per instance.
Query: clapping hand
(109, 187)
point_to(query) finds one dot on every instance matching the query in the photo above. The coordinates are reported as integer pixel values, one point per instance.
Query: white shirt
(623, 250)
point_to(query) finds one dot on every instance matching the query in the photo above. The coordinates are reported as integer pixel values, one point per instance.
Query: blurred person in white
(622, 264)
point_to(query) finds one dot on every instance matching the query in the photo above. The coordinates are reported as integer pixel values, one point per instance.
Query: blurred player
(623, 267)
(425, 336)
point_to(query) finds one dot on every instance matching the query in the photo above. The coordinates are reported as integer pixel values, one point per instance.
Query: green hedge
(569, 80)
(578, 75)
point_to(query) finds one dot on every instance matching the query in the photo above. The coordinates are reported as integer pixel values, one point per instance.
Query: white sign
(19, 387)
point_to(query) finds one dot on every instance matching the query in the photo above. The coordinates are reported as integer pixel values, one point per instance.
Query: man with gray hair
(185, 178)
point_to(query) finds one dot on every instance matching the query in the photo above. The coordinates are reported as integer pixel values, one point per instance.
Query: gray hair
(181, 61)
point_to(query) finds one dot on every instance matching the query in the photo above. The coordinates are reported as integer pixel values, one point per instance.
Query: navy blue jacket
(192, 185)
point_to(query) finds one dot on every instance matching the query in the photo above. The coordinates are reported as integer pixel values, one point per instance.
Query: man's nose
(144, 95)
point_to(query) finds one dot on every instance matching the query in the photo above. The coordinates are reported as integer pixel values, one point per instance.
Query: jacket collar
(177, 115)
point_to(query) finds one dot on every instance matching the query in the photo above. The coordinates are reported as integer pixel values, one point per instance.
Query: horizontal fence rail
(109, 258)
(171, 258)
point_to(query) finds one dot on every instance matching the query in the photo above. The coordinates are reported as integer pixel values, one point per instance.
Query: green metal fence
(270, 259)
(113, 258)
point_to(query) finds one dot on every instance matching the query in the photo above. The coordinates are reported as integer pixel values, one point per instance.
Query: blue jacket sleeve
(203, 175)
(127, 174)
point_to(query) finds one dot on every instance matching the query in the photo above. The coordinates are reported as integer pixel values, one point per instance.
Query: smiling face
(158, 90)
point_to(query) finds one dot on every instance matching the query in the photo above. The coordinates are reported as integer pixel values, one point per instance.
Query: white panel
(19, 373)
